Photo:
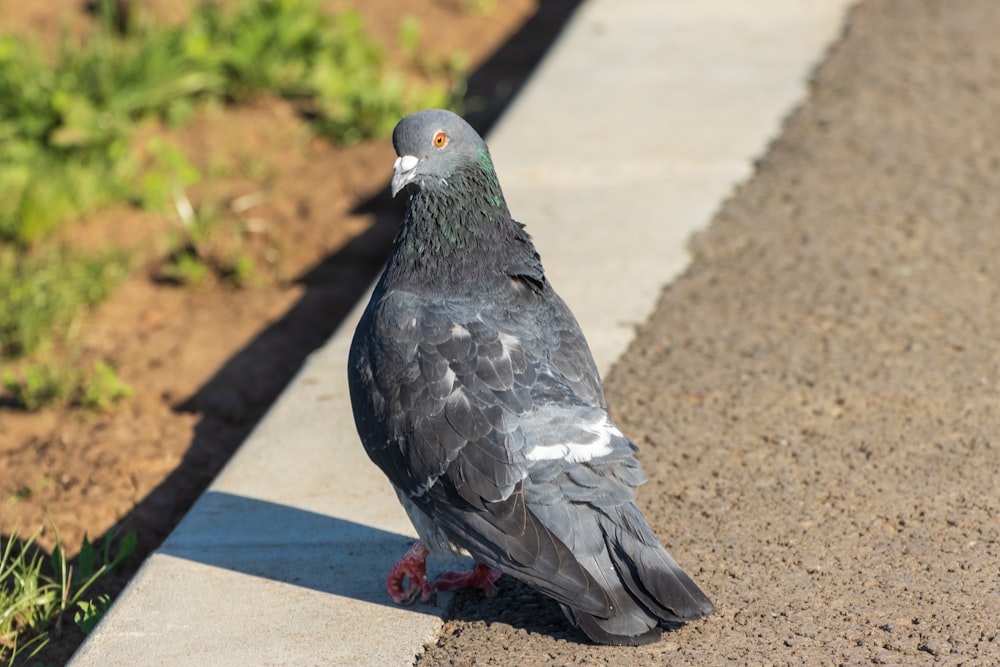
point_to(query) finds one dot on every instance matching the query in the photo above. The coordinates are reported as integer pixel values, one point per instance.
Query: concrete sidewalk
(639, 122)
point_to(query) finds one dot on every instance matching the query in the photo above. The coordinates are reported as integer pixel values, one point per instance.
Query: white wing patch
(449, 377)
(509, 343)
(578, 452)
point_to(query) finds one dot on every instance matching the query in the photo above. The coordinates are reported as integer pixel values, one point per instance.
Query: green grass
(66, 147)
(37, 593)
(45, 289)
(210, 243)
(43, 383)
(65, 126)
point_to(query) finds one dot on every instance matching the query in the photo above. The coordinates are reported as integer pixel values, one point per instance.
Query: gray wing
(444, 399)
(498, 431)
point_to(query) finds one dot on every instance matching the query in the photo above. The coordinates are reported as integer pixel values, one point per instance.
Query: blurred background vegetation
(70, 145)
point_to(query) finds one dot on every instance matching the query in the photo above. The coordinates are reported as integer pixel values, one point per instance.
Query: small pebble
(936, 647)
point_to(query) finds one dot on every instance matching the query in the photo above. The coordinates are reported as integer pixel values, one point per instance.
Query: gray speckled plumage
(475, 392)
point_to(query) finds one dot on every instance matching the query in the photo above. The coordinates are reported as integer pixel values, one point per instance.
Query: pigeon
(474, 390)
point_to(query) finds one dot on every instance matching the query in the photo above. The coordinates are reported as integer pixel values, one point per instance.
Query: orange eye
(440, 139)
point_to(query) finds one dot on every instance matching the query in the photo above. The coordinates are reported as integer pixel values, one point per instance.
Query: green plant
(91, 612)
(103, 389)
(21, 598)
(44, 291)
(48, 383)
(184, 267)
(211, 242)
(39, 385)
(240, 271)
(484, 7)
(164, 176)
(65, 127)
(35, 592)
(328, 66)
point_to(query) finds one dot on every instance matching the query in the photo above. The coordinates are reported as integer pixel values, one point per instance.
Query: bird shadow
(286, 544)
(518, 605)
(521, 607)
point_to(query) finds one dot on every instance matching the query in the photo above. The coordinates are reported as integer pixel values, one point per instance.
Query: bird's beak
(403, 171)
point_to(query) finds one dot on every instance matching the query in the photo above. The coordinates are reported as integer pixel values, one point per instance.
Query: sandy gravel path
(818, 398)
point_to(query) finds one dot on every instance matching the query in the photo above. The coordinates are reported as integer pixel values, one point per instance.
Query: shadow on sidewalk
(288, 545)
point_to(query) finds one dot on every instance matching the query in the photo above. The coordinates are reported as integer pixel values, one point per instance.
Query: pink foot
(408, 579)
(411, 569)
(481, 576)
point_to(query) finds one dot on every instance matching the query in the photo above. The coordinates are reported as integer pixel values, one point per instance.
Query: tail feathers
(617, 630)
(646, 586)
(659, 584)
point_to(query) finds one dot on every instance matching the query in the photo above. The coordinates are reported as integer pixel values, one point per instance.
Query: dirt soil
(206, 362)
(818, 398)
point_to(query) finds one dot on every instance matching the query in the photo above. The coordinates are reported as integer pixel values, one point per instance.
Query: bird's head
(431, 146)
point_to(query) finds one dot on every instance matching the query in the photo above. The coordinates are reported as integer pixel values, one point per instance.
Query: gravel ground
(818, 398)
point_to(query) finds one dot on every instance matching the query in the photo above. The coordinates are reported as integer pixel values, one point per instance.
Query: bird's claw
(481, 576)
(408, 579)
